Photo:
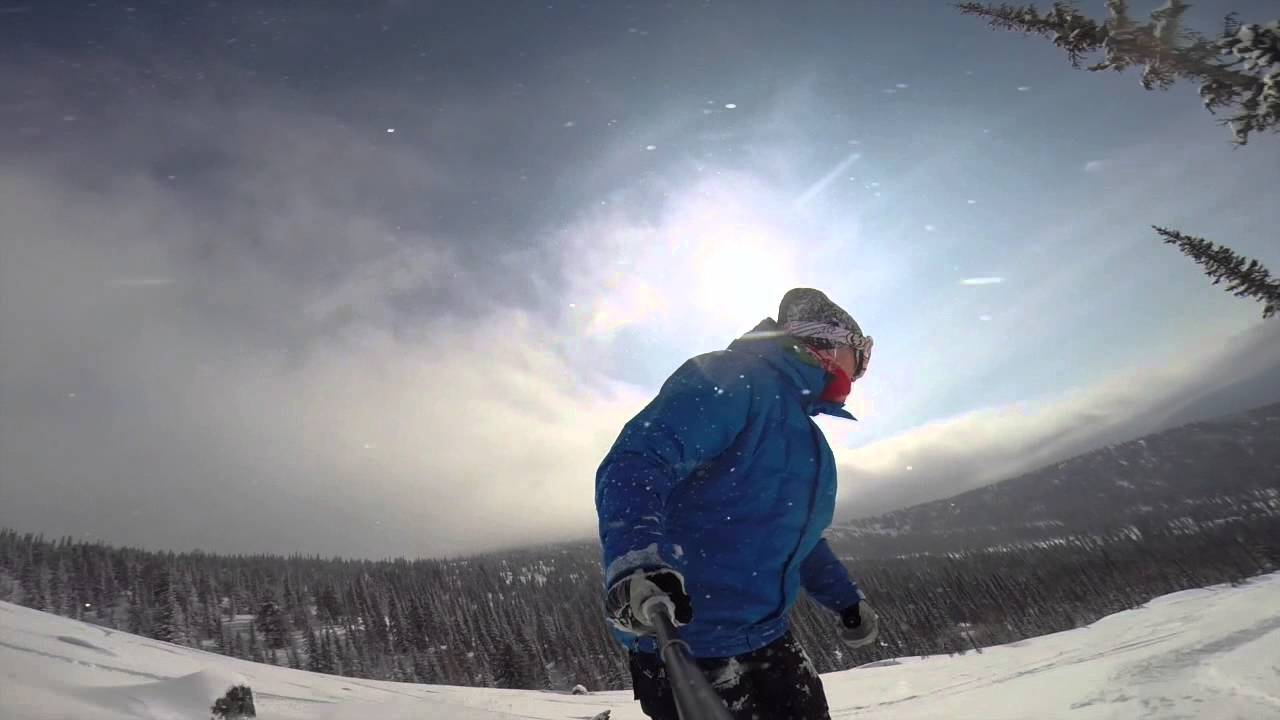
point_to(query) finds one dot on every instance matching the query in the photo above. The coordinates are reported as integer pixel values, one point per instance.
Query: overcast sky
(386, 278)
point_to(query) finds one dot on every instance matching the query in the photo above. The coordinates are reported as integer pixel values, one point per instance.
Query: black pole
(695, 699)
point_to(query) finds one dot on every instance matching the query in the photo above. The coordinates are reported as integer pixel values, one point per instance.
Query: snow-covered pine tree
(295, 659)
(256, 651)
(1244, 277)
(32, 580)
(1238, 70)
(240, 646)
(237, 704)
(273, 623)
(169, 620)
(330, 656)
(354, 658)
(59, 593)
(422, 669)
(311, 644)
(508, 669)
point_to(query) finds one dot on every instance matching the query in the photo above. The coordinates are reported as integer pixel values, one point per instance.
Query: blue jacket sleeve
(827, 580)
(695, 417)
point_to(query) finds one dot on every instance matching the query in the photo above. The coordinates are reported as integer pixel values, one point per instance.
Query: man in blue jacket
(717, 494)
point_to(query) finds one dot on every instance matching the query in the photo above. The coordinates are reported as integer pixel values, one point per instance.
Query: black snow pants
(776, 682)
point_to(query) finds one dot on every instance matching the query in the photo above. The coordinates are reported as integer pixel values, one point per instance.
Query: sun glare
(736, 279)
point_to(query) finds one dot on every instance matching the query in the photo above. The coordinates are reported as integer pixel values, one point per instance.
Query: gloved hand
(627, 595)
(859, 625)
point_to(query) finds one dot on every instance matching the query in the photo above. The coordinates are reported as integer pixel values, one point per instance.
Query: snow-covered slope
(1212, 653)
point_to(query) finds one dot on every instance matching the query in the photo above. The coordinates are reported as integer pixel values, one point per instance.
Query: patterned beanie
(812, 317)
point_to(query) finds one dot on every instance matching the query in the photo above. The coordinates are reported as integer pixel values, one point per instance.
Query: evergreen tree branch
(1238, 70)
(1244, 277)
(1063, 24)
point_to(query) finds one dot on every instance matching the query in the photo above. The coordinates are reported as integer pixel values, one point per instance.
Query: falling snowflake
(391, 130)
(650, 147)
(570, 124)
(930, 228)
(1024, 88)
(730, 106)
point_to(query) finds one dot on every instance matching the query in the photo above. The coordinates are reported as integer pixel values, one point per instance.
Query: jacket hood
(778, 350)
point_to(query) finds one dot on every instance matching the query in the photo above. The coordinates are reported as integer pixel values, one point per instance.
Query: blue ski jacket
(725, 478)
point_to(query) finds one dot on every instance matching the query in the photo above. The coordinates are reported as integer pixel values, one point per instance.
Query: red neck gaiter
(839, 386)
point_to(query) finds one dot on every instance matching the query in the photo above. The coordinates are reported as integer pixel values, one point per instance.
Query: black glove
(627, 595)
(859, 624)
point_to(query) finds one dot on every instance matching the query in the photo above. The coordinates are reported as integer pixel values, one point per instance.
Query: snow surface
(1211, 653)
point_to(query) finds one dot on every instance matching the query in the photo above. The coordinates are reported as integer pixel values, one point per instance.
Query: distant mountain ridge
(1204, 472)
(1225, 377)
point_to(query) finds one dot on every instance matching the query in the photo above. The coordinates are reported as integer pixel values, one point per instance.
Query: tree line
(1048, 551)
(532, 618)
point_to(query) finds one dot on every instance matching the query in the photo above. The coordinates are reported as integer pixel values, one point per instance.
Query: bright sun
(737, 280)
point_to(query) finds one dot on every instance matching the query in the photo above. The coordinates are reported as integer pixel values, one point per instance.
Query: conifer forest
(1045, 552)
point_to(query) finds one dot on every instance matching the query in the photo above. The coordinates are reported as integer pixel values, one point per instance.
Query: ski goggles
(862, 351)
(853, 358)
(851, 344)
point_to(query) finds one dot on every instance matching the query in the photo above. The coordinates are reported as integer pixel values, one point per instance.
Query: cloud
(247, 413)
(238, 327)
(952, 455)
(256, 358)
(719, 251)
(231, 320)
